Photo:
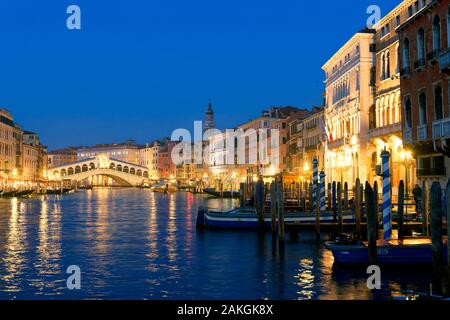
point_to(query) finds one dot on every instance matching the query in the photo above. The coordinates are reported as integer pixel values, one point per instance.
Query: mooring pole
(273, 206)
(372, 221)
(357, 205)
(401, 202)
(436, 235)
(259, 199)
(322, 192)
(315, 183)
(280, 207)
(425, 210)
(387, 227)
(334, 205)
(339, 200)
(346, 195)
(318, 193)
(242, 194)
(447, 200)
(329, 197)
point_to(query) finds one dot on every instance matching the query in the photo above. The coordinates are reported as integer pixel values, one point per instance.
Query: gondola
(224, 194)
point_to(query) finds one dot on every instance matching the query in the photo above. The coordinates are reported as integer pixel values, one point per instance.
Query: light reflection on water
(135, 244)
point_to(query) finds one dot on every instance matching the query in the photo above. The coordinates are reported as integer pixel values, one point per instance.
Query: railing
(385, 130)
(404, 72)
(422, 134)
(441, 128)
(431, 172)
(444, 60)
(336, 143)
(407, 136)
(419, 64)
(433, 55)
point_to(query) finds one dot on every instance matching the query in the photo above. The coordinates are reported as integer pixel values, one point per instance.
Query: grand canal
(135, 244)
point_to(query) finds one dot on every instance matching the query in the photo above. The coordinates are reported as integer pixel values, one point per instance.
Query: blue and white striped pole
(387, 228)
(322, 191)
(315, 181)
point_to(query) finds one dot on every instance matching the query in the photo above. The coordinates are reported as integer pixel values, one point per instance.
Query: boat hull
(386, 254)
(237, 219)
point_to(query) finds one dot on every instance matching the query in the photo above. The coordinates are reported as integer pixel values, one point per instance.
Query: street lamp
(406, 156)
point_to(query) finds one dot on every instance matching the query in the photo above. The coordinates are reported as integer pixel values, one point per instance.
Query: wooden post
(425, 232)
(357, 204)
(339, 201)
(311, 197)
(280, 208)
(447, 202)
(273, 206)
(329, 197)
(372, 221)
(401, 202)
(333, 199)
(318, 215)
(259, 202)
(242, 195)
(436, 235)
(376, 198)
(346, 195)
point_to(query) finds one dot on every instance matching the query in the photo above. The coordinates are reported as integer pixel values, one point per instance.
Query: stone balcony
(441, 129)
(422, 132)
(407, 137)
(336, 143)
(385, 130)
(444, 61)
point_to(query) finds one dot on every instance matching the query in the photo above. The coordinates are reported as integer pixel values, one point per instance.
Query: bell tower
(208, 121)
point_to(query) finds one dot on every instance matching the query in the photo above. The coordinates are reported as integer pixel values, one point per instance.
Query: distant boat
(164, 187)
(16, 194)
(247, 218)
(59, 191)
(414, 250)
(224, 194)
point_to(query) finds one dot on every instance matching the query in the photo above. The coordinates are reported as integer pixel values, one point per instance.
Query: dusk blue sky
(139, 69)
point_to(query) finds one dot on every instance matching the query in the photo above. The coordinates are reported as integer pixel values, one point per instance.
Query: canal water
(135, 244)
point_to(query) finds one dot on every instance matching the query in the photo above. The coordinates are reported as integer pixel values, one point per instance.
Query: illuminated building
(424, 68)
(385, 129)
(348, 100)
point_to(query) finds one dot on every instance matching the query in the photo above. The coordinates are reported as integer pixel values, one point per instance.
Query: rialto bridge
(95, 170)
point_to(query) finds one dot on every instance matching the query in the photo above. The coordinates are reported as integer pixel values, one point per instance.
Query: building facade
(127, 152)
(313, 143)
(425, 63)
(348, 99)
(385, 118)
(61, 157)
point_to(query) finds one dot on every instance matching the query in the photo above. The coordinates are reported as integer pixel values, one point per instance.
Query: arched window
(85, 168)
(408, 113)
(406, 62)
(383, 67)
(423, 108)
(438, 102)
(77, 169)
(70, 171)
(437, 34)
(119, 167)
(448, 27)
(397, 64)
(421, 46)
(388, 65)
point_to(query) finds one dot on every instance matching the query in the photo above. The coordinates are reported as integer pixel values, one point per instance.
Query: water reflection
(136, 244)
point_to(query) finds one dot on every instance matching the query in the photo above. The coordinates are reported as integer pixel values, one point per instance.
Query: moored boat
(414, 250)
(247, 218)
(223, 194)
